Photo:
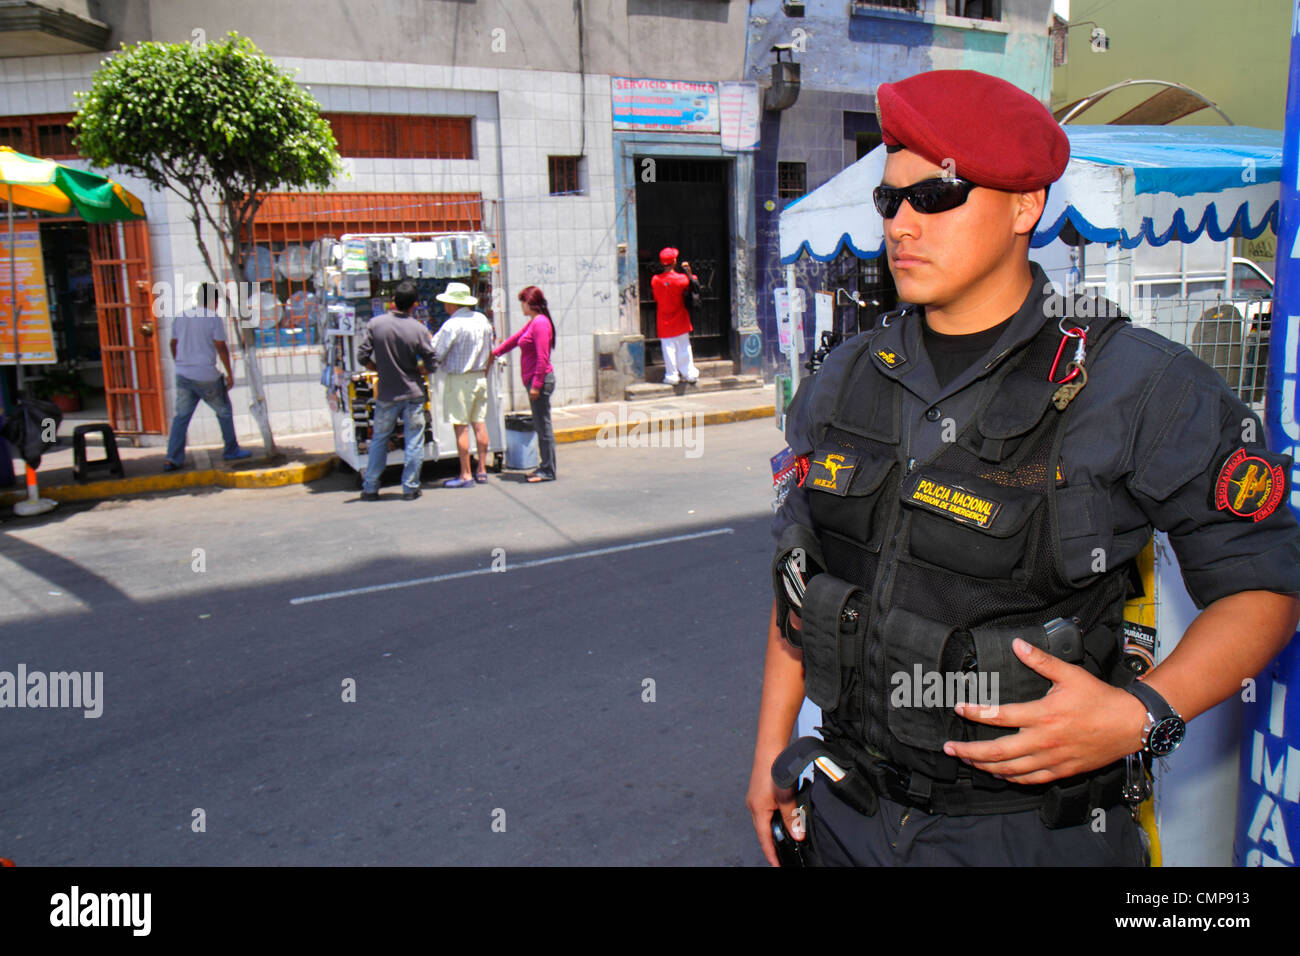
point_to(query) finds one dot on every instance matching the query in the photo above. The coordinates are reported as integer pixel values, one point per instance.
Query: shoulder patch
(832, 472)
(1248, 486)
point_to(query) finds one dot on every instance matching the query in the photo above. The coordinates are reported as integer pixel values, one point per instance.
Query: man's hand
(765, 796)
(1081, 724)
(534, 393)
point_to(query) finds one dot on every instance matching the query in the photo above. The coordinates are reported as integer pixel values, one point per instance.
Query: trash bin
(521, 442)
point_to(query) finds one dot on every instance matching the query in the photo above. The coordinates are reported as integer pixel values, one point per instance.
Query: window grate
(791, 180)
(565, 175)
(288, 223)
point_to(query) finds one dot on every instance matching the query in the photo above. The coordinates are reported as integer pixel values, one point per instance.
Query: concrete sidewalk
(308, 457)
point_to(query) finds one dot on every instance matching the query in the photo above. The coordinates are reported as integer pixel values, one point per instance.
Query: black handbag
(694, 299)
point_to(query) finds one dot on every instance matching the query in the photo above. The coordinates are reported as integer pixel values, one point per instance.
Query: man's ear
(1029, 209)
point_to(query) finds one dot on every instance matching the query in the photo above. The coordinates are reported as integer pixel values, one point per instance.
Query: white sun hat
(457, 293)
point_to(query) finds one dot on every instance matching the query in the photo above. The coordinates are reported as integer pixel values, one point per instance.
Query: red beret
(997, 134)
(667, 254)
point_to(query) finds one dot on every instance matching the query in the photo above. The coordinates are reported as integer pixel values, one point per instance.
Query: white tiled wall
(564, 244)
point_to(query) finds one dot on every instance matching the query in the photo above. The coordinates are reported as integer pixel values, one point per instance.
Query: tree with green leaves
(219, 125)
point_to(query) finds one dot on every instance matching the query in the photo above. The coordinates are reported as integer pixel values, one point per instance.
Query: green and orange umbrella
(52, 187)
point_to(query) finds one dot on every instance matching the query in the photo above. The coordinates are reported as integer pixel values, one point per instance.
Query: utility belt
(861, 783)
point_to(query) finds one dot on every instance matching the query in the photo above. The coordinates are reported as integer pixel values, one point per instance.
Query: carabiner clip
(1066, 334)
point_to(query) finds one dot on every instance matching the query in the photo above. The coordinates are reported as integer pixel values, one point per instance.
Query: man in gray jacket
(394, 344)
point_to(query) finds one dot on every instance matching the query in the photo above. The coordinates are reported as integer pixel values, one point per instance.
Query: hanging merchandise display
(355, 278)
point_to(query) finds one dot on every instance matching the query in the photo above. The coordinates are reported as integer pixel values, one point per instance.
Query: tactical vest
(932, 568)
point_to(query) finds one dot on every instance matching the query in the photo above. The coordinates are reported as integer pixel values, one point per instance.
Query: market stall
(1125, 188)
(355, 276)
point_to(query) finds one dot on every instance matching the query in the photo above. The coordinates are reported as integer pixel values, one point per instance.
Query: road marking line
(536, 563)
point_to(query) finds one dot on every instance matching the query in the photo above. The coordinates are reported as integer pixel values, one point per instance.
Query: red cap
(667, 255)
(995, 133)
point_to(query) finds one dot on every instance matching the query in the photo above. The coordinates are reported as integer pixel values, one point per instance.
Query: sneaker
(171, 466)
(458, 483)
(369, 496)
(671, 381)
(237, 455)
(410, 495)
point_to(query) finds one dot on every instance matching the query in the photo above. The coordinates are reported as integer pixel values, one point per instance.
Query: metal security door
(685, 206)
(128, 339)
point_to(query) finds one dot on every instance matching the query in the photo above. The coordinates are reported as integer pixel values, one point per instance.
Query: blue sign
(1268, 804)
(677, 106)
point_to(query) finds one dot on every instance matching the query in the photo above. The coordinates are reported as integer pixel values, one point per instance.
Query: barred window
(791, 180)
(288, 223)
(566, 175)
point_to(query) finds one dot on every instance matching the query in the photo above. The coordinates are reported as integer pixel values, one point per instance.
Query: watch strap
(1156, 705)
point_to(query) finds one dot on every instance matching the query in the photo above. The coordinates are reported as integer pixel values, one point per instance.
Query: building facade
(450, 116)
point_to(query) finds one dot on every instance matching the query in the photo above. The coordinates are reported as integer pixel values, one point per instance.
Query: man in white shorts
(463, 347)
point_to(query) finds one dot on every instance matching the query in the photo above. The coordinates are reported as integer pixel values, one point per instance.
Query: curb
(302, 472)
(293, 474)
(664, 422)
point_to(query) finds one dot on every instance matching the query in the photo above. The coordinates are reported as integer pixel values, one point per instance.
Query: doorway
(686, 206)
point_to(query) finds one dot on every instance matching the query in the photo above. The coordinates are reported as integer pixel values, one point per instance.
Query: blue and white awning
(1125, 184)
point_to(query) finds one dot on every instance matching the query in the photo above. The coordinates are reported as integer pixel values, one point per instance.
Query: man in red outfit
(672, 320)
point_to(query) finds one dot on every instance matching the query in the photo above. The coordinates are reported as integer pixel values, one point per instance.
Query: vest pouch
(1007, 680)
(920, 691)
(834, 620)
(967, 524)
(843, 488)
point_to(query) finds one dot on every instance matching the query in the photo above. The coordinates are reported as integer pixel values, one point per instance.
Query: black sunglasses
(930, 195)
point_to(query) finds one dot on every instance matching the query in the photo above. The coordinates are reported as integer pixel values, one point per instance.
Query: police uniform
(938, 523)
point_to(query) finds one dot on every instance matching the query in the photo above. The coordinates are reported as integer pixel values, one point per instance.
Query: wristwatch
(1164, 729)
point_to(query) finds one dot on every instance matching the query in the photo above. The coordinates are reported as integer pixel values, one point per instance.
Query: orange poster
(35, 335)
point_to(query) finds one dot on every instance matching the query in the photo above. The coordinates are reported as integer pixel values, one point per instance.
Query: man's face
(937, 258)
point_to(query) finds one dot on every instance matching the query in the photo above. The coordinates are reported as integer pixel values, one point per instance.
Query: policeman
(977, 475)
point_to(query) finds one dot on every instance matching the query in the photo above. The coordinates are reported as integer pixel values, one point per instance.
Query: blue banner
(1268, 804)
(675, 106)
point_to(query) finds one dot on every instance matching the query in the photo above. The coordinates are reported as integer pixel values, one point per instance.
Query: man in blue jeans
(198, 340)
(394, 344)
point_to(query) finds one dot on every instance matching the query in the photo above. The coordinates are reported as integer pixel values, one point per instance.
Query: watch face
(1166, 736)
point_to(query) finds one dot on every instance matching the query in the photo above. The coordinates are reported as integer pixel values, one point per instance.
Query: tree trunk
(247, 340)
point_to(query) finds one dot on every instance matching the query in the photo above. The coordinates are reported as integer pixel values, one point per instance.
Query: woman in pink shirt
(535, 341)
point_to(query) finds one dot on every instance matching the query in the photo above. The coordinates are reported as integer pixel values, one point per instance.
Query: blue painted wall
(843, 59)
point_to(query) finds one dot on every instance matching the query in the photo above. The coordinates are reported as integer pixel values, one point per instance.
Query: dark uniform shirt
(1145, 441)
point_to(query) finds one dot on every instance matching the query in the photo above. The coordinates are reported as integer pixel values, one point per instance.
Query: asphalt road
(566, 707)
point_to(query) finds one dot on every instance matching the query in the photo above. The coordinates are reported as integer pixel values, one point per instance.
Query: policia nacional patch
(1249, 486)
(953, 501)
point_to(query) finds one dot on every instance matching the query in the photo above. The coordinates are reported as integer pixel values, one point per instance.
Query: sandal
(481, 477)
(535, 477)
